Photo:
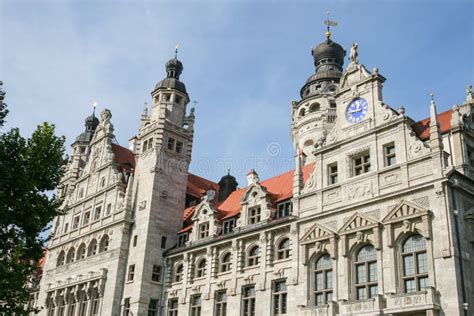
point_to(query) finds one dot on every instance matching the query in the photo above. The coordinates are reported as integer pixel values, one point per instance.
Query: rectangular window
(66, 227)
(87, 216)
(150, 144)
(126, 306)
(179, 147)
(171, 142)
(361, 164)
(195, 305)
(177, 98)
(163, 242)
(203, 230)
(182, 239)
(98, 210)
(254, 215)
(332, 173)
(173, 307)
(131, 272)
(279, 298)
(135, 238)
(156, 274)
(109, 209)
(220, 308)
(153, 307)
(75, 222)
(248, 301)
(284, 209)
(229, 226)
(389, 153)
(470, 157)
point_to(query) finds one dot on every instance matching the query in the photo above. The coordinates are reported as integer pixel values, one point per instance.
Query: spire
(436, 142)
(176, 51)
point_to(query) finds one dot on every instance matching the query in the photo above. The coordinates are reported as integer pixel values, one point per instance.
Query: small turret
(227, 185)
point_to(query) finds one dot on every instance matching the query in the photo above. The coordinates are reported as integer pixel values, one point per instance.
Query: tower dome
(91, 122)
(174, 68)
(328, 50)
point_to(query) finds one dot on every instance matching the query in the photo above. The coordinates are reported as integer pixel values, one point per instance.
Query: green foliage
(3, 106)
(29, 170)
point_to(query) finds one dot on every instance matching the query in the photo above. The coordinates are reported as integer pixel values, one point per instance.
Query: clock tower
(313, 116)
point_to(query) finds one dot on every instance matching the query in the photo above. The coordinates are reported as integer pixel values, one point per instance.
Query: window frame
(173, 307)
(367, 284)
(204, 230)
(417, 275)
(279, 298)
(388, 154)
(253, 260)
(178, 272)
(195, 308)
(228, 226)
(225, 266)
(248, 301)
(220, 305)
(333, 175)
(156, 272)
(364, 165)
(201, 267)
(254, 215)
(131, 273)
(284, 209)
(153, 308)
(183, 239)
(327, 291)
(283, 253)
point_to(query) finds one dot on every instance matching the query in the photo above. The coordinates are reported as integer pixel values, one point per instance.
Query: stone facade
(377, 217)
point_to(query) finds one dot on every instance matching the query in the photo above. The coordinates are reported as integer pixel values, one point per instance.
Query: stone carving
(354, 55)
(105, 115)
(359, 190)
(416, 147)
(310, 183)
(142, 205)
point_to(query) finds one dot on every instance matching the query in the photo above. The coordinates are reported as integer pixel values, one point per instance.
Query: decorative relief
(360, 190)
(358, 221)
(416, 147)
(310, 183)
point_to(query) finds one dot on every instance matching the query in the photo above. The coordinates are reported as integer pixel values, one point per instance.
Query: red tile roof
(198, 186)
(279, 187)
(422, 128)
(123, 157)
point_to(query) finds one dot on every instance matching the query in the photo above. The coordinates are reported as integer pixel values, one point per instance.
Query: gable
(358, 221)
(315, 233)
(404, 210)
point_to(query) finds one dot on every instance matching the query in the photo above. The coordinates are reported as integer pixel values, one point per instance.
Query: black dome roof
(329, 49)
(171, 83)
(91, 120)
(174, 68)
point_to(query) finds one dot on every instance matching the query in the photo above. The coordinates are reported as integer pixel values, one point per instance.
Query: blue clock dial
(356, 110)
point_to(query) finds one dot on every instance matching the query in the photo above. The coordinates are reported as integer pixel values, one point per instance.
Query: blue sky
(244, 62)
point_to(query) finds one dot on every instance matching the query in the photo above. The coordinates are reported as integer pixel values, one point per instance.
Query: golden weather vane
(329, 23)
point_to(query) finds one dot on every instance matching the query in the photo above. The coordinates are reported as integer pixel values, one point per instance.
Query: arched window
(283, 250)
(253, 256)
(415, 264)
(61, 258)
(322, 280)
(366, 273)
(104, 243)
(92, 250)
(178, 273)
(302, 113)
(81, 252)
(308, 143)
(70, 255)
(314, 107)
(225, 262)
(201, 268)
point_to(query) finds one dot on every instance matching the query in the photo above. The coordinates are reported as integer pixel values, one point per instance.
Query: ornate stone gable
(316, 233)
(407, 218)
(357, 222)
(318, 239)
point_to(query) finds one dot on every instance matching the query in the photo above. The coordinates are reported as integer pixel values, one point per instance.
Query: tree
(30, 169)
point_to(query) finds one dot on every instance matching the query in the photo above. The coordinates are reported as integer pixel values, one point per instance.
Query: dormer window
(182, 239)
(229, 226)
(284, 209)
(254, 215)
(203, 230)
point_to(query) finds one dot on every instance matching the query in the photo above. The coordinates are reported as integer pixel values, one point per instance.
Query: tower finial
(176, 51)
(94, 105)
(329, 23)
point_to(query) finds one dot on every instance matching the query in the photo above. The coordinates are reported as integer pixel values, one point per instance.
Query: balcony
(320, 310)
(423, 300)
(371, 306)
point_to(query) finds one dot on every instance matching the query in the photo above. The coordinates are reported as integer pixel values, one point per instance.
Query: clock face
(356, 110)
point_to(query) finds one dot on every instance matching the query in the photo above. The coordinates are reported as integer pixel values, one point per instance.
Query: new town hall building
(377, 218)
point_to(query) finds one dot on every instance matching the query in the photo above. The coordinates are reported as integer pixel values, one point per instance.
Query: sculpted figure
(354, 55)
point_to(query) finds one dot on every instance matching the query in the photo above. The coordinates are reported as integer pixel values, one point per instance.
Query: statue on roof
(354, 55)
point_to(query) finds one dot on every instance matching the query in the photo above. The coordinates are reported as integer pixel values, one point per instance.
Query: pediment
(404, 210)
(358, 221)
(254, 191)
(204, 210)
(315, 233)
(355, 73)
